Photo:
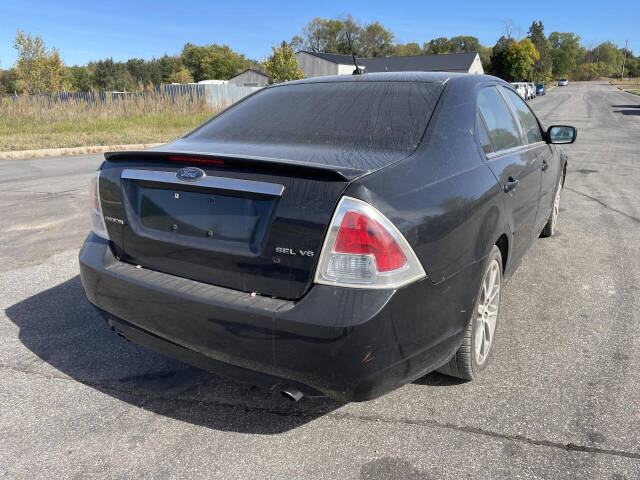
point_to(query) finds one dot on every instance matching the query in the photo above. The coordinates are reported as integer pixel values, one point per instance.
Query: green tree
(499, 63)
(161, 69)
(437, 45)
(282, 65)
(520, 59)
(215, 62)
(4, 82)
(542, 68)
(324, 35)
(407, 49)
(140, 70)
(80, 78)
(590, 71)
(632, 67)
(9, 82)
(55, 73)
(612, 57)
(563, 64)
(573, 52)
(112, 76)
(193, 57)
(181, 76)
(464, 44)
(485, 58)
(39, 69)
(375, 41)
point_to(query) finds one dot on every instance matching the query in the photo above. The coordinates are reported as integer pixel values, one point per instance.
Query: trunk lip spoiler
(342, 173)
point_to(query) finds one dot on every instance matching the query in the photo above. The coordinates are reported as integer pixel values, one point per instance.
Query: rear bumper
(349, 344)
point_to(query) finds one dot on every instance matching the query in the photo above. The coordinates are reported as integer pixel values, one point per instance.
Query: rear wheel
(473, 355)
(550, 228)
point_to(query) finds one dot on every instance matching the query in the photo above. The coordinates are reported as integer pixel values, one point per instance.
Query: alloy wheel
(487, 314)
(556, 209)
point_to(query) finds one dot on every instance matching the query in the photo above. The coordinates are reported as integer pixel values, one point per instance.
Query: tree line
(535, 57)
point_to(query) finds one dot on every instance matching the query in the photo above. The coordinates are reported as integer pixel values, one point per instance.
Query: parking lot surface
(561, 398)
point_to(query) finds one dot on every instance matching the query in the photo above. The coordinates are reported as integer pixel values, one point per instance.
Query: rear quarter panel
(443, 198)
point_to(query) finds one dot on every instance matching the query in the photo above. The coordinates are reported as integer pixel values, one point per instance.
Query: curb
(59, 152)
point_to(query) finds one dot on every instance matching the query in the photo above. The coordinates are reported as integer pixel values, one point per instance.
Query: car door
(515, 165)
(548, 160)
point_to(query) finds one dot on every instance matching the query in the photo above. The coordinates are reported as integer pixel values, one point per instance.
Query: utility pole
(626, 44)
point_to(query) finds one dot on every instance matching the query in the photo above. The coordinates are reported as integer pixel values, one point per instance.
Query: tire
(475, 352)
(550, 227)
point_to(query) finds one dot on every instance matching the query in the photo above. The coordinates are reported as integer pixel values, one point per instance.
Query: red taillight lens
(362, 235)
(364, 249)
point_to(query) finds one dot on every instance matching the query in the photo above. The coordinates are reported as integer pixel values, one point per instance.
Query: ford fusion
(336, 236)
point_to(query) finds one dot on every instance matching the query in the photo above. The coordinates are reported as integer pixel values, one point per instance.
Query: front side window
(500, 124)
(527, 118)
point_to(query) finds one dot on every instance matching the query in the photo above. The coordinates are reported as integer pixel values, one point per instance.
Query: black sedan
(335, 236)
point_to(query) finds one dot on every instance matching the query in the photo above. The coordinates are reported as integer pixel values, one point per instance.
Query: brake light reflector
(364, 249)
(97, 220)
(208, 161)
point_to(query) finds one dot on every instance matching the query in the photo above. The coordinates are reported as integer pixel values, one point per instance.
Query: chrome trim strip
(529, 146)
(507, 151)
(222, 183)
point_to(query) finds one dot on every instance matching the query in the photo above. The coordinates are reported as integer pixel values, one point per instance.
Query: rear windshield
(364, 115)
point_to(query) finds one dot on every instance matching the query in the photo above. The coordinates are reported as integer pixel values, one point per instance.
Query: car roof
(430, 77)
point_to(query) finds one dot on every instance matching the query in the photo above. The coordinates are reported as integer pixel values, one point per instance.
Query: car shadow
(627, 112)
(627, 109)
(436, 379)
(61, 327)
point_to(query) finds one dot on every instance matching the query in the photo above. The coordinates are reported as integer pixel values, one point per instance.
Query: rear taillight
(97, 220)
(363, 249)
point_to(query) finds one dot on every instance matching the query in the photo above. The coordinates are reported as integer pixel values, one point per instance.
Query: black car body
(219, 265)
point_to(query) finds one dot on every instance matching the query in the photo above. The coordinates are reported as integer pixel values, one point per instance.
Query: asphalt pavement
(561, 398)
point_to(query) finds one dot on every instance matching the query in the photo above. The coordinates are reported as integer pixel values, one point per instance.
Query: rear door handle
(511, 184)
(545, 165)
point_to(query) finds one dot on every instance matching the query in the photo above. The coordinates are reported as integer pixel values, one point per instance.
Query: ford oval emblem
(190, 174)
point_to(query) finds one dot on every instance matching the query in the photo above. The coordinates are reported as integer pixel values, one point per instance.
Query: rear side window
(500, 124)
(483, 136)
(528, 119)
(368, 115)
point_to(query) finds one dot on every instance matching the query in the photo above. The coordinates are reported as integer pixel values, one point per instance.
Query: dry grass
(626, 82)
(36, 123)
(631, 85)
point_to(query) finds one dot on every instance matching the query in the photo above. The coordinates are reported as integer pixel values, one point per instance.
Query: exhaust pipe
(292, 394)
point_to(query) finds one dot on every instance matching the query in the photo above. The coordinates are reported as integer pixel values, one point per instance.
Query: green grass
(33, 133)
(35, 124)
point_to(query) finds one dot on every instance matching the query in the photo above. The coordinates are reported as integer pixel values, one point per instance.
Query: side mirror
(561, 134)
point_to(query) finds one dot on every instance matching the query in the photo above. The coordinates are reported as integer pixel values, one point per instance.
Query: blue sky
(84, 31)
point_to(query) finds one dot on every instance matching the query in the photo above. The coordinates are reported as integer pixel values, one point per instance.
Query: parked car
(532, 87)
(563, 82)
(521, 89)
(338, 235)
(541, 89)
